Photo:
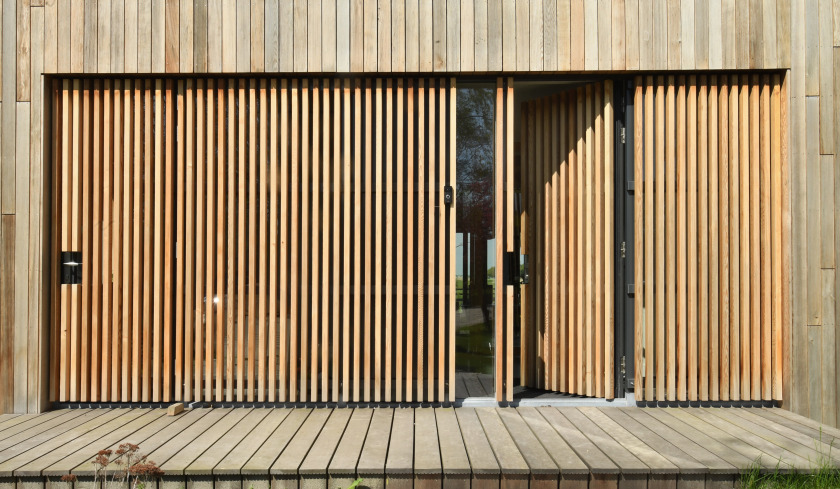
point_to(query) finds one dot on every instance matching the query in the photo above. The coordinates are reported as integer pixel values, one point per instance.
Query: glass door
(475, 245)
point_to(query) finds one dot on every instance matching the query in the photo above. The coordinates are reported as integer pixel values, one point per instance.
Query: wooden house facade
(257, 202)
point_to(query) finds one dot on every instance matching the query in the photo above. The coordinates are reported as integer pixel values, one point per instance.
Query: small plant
(115, 468)
(355, 483)
(824, 475)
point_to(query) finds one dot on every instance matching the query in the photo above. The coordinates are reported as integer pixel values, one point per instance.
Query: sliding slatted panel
(251, 239)
(567, 155)
(711, 230)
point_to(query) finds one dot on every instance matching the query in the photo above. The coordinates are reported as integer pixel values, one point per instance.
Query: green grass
(823, 478)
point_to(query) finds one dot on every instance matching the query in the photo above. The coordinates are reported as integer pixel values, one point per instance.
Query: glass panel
(475, 261)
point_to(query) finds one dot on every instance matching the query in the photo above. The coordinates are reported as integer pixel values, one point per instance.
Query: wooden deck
(423, 448)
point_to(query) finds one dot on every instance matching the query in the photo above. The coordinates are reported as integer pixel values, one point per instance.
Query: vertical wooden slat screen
(706, 175)
(251, 239)
(567, 307)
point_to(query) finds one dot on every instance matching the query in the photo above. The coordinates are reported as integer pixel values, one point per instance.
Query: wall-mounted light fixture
(71, 267)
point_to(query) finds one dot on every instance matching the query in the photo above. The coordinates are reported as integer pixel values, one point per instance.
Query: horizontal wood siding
(260, 317)
(566, 322)
(721, 337)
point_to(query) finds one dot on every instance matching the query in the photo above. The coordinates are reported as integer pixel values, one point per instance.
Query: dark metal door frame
(624, 243)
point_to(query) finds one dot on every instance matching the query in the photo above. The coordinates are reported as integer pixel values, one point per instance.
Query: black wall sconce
(71, 267)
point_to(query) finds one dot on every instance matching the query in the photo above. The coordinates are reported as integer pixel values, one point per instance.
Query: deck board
(207, 461)
(85, 453)
(371, 465)
(34, 435)
(670, 440)
(36, 423)
(233, 462)
(265, 456)
(423, 448)
(292, 456)
(615, 451)
(56, 447)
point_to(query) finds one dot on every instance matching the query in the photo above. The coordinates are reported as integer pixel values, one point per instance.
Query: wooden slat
(368, 230)
(401, 287)
(660, 244)
(284, 320)
(210, 292)
(294, 200)
(317, 228)
(378, 272)
(498, 232)
(346, 243)
(682, 236)
(200, 221)
(410, 242)
(274, 190)
(263, 287)
(357, 237)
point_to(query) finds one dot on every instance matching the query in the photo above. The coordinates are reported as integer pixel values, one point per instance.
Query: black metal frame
(623, 236)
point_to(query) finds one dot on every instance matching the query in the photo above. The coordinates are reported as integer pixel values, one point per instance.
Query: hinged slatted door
(567, 226)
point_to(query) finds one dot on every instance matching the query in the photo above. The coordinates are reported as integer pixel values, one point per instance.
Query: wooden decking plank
(701, 438)
(68, 443)
(650, 457)
(452, 451)
(818, 433)
(563, 455)
(372, 458)
(321, 453)
(482, 458)
(350, 446)
(371, 465)
(7, 420)
(538, 460)
(267, 454)
(626, 461)
(36, 425)
(172, 431)
(713, 462)
(138, 438)
(294, 453)
(207, 461)
(85, 454)
(807, 422)
(592, 456)
(185, 438)
(816, 444)
(41, 441)
(426, 447)
(507, 454)
(401, 446)
(27, 422)
(759, 436)
(234, 461)
(713, 436)
(683, 461)
(179, 462)
(22, 454)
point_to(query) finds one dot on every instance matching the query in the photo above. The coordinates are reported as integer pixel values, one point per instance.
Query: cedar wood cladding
(482, 36)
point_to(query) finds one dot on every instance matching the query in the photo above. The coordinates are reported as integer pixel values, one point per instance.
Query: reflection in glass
(475, 261)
